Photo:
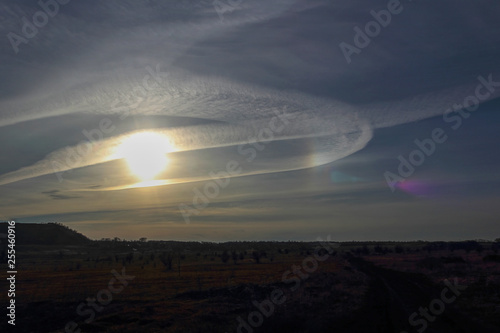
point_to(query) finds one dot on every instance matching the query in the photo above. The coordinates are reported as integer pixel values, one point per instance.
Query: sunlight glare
(145, 153)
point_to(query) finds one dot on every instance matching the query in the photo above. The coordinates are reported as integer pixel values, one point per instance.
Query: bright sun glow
(145, 153)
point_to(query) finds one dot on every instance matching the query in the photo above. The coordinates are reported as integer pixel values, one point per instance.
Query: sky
(251, 119)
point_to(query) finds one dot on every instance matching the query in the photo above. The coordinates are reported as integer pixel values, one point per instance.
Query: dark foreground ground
(246, 287)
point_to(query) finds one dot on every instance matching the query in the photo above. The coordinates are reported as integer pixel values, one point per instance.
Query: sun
(145, 153)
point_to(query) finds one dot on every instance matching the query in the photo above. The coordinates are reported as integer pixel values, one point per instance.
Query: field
(152, 286)
(179, 287)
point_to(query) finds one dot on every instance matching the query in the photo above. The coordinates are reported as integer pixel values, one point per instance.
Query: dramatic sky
(252, 119)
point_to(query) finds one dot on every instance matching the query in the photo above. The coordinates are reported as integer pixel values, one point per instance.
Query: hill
(45, 234)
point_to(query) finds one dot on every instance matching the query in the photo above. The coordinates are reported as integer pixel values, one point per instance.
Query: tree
(179, 263)
(495, 247)
(256, 256)
(225, 256)
(143, 239)
(129, 258)
(166, 260)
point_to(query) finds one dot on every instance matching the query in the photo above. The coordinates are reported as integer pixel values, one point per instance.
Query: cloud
(55, 194)
(313, 117)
